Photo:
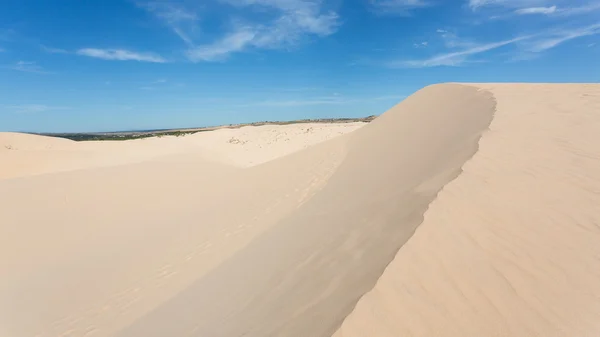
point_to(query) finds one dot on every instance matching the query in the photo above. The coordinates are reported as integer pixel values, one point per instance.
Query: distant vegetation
(128, 135)
(119, 135)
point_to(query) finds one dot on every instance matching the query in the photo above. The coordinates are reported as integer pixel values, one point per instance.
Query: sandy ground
(23, 155)
(466, 210)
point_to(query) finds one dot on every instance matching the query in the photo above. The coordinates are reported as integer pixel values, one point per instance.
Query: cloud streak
(28, 67)
(181, 20)
(570, 11)
(451, 40)
(294, 20)
(548, 8)
(220, 50)
(454, 58)
(557, 37)
(397, 7)
(120, 55)
(536, 10)
(527, 47)
(558, 12)
(477, 4)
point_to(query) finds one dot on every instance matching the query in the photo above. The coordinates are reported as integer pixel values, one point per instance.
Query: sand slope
(512, 246)
(182, 243)
(102, 246)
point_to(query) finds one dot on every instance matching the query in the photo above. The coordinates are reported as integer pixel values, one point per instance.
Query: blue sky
(72, 65)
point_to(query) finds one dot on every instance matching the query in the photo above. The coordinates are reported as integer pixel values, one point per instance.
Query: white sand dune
(193, 238)
(512, 246)
(24, 155)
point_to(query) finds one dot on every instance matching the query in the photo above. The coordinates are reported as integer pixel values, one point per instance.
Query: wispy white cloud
(556, 12)
(307, 16)
(527, 47)
(121, 55)
(398, 7)
(295, 20)
(451, 40)
(52, 50)
(33, 108)
(454, 58)
(536, 10)
(556, 37)
(291, 21)
(552, 8)
(476, 4)
(29, 67)
(182, 20)
(233, 42)
(577, 10)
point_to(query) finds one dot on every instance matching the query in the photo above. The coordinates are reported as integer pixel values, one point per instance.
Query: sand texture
(466, 210)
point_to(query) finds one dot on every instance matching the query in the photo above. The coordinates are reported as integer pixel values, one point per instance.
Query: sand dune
(466, 210)
(512, 246)
(24, 155)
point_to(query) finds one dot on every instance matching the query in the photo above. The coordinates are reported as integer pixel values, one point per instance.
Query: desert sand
(25, 154)
(465, 210)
